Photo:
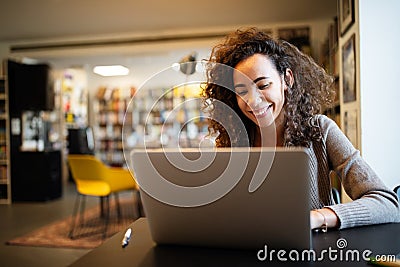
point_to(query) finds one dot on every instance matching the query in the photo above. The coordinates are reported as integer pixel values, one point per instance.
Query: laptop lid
(232, 198)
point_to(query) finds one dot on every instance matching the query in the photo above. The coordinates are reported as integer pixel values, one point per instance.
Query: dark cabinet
(36, 176)
(31, 86)
(35, 158)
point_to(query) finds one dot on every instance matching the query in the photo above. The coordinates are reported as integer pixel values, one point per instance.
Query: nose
(254, 97)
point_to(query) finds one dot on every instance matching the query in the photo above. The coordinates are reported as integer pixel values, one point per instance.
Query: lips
(262, 111)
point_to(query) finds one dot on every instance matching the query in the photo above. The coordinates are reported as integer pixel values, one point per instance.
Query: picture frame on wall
(349, 70)
(346, 15)
(350, 120)
(298, 36)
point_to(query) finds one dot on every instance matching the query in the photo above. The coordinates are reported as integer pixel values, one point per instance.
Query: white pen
(127, 237)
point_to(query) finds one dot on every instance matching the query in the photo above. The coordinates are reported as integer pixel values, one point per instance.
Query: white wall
(379, 28)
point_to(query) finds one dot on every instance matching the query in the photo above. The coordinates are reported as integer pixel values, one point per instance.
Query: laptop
(241, 198)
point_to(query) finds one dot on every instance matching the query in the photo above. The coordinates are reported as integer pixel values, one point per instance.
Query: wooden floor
(22, 217)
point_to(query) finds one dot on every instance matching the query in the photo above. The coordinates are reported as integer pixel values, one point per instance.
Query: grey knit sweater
(373, 202)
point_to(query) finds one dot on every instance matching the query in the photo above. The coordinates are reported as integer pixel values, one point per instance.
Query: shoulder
(323, 120)
(324, 123)
(331, 134)
(327, 126)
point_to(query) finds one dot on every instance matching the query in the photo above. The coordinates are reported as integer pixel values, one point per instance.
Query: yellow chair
(94, 178)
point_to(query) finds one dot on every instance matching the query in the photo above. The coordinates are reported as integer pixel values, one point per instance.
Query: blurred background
(145, 37)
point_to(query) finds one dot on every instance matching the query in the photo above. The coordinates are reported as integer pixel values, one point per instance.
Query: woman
(277, 92)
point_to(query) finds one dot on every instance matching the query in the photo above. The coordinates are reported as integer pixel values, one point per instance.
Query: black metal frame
(78, 213)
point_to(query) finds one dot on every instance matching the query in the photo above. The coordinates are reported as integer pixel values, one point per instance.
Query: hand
(317, 218)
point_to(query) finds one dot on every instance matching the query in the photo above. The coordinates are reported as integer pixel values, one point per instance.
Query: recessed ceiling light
(111, 70)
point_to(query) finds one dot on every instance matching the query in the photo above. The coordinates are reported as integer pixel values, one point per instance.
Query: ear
(289, 78)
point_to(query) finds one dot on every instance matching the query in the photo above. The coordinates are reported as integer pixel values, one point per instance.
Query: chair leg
(107, 215)
(79, 209)
(74, 216)
(116, 196)
(102, 207)
(82, 211)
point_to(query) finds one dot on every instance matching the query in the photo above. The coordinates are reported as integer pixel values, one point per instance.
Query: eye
(264, 86)
(241, 92)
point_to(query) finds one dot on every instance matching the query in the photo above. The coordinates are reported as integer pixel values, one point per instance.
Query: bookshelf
(110, 107)
(153, 118)
(5, 187)
(162, 117)
(329, 59)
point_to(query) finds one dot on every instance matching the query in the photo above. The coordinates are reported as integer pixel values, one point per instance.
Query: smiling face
(260, 90)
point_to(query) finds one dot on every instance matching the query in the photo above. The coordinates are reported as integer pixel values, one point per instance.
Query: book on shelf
(3, 173)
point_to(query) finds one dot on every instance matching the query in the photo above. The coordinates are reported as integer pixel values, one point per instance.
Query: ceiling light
(112, 70)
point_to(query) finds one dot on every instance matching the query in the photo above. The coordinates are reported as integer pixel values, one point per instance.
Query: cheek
(241, 103)
(276, 95)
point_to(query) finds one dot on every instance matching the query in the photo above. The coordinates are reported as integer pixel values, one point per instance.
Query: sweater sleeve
(373, 202)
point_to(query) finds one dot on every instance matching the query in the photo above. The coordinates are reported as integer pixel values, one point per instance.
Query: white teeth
(261, 112)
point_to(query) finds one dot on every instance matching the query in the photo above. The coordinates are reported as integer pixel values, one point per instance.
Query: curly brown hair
(311, 91)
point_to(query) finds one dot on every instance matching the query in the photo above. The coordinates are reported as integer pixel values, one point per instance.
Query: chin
(265, 125)
(264, 122)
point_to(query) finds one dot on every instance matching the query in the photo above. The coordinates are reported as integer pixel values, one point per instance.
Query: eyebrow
(255, 81)
(259, 79)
